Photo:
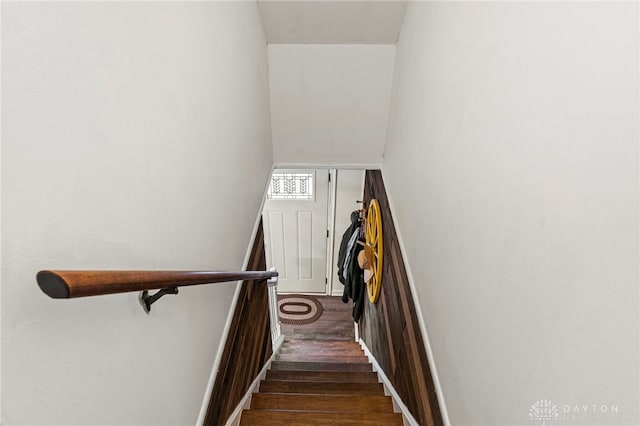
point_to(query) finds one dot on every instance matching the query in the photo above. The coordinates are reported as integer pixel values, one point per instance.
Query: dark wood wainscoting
(248, 345)
(390, 328)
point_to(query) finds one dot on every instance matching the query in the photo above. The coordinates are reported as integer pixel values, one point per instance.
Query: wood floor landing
(335, 323)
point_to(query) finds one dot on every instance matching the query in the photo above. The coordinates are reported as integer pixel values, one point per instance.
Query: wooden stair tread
(323, 333)
(320, 366)
(315, 350)
(329, 358)
(308, 343)
(352, 403)
(333, 388)
(323, 376)
(289, 339)
(307, 418)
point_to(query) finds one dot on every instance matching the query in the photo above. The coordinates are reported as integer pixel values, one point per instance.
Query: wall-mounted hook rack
(147, 300)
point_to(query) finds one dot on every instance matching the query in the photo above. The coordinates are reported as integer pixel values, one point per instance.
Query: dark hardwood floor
(335, 323)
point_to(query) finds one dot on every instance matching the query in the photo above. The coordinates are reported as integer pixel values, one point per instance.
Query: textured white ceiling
(326, 22)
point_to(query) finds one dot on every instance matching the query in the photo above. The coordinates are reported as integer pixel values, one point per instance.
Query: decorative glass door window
(291, 186)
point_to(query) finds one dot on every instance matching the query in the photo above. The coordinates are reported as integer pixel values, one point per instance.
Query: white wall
(512, 164)
(329, 103)
(135, 136)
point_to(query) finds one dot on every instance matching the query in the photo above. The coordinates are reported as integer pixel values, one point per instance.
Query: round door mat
(299, 309)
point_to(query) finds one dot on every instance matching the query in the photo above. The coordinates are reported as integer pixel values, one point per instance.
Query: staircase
(320, 382)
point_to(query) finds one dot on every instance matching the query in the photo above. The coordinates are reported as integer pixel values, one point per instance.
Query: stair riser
(323, 376)
(314, 351)
(322, 345)
(268, 386)
(320, 366)
(328, 342)
(322, 358)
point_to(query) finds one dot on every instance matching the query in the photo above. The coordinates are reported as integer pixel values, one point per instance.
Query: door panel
(296, 236)
(305, 245)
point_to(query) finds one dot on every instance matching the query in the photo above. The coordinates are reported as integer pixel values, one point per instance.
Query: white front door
(295, 218)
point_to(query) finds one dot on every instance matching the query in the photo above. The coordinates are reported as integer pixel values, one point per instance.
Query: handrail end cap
(53, 285)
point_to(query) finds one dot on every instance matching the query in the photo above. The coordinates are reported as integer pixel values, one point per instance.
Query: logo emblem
(543, 410)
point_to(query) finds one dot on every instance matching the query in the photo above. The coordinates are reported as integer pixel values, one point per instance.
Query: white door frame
(331, 234)
(331, 204)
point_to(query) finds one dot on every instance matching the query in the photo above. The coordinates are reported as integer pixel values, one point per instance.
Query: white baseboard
(245, 402)
(389, 390)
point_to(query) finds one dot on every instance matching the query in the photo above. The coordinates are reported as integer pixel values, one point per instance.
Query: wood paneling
(248, 344)
(390, 328)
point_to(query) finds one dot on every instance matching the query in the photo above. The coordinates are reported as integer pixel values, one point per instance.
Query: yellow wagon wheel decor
(373, 249)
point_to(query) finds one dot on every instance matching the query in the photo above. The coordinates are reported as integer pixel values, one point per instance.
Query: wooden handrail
(68, 284)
